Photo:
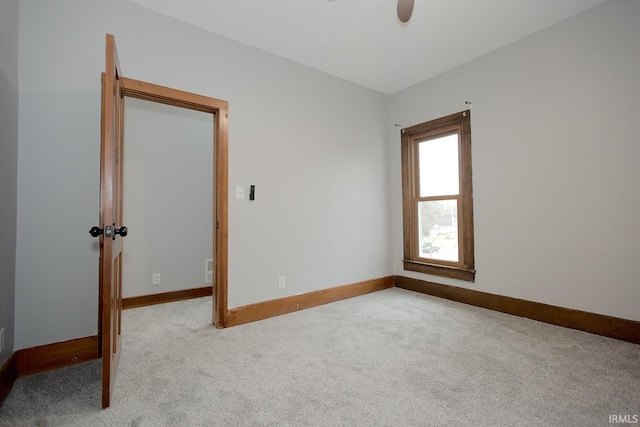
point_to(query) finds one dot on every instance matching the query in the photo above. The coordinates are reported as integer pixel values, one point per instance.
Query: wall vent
(208, 271)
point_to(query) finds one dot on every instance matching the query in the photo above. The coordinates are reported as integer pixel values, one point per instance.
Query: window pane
(438, 230)
(439, 166)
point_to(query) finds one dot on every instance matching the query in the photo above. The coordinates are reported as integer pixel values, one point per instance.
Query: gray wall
(167, 198)
(9, 17)
(555, 161)
(315, 147)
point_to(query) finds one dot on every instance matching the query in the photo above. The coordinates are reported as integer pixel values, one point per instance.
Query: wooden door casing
(220, 110)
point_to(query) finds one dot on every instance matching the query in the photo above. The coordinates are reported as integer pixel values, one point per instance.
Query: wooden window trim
(411, 136)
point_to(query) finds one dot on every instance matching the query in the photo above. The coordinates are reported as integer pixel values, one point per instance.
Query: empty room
(374, 213)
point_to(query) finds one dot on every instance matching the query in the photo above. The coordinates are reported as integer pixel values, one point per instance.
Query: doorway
(167, 199)
(219, 109)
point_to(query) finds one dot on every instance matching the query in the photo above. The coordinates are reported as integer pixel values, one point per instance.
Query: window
(437, 197)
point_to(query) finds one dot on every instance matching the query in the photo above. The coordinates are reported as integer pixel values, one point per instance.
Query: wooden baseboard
(599, 324)
(43, 358)
(134, 302)
(8, 376)
(57, 355)
(266, 309)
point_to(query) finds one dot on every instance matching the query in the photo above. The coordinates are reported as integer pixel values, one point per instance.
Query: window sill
(467, 275)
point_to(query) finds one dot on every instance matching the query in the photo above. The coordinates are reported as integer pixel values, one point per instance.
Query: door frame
(220, 111)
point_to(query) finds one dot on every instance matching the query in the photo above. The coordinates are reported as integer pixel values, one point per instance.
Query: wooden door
(110, 220)
(114, 87)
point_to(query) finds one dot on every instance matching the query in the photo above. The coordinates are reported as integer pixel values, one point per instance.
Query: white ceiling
(364, 42)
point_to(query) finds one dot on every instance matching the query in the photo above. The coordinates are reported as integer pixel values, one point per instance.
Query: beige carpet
(392, 358)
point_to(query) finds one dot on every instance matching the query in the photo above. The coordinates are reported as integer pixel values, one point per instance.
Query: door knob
(110, 231)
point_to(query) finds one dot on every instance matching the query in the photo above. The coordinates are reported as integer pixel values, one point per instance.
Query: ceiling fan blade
(405, 8)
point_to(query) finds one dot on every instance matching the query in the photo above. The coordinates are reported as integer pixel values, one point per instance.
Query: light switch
(239, 193)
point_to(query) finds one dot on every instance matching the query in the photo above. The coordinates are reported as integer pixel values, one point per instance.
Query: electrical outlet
(1, 339)
(155, 277)
(281, 282)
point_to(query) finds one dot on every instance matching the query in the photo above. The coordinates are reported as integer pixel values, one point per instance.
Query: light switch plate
(239, 193)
